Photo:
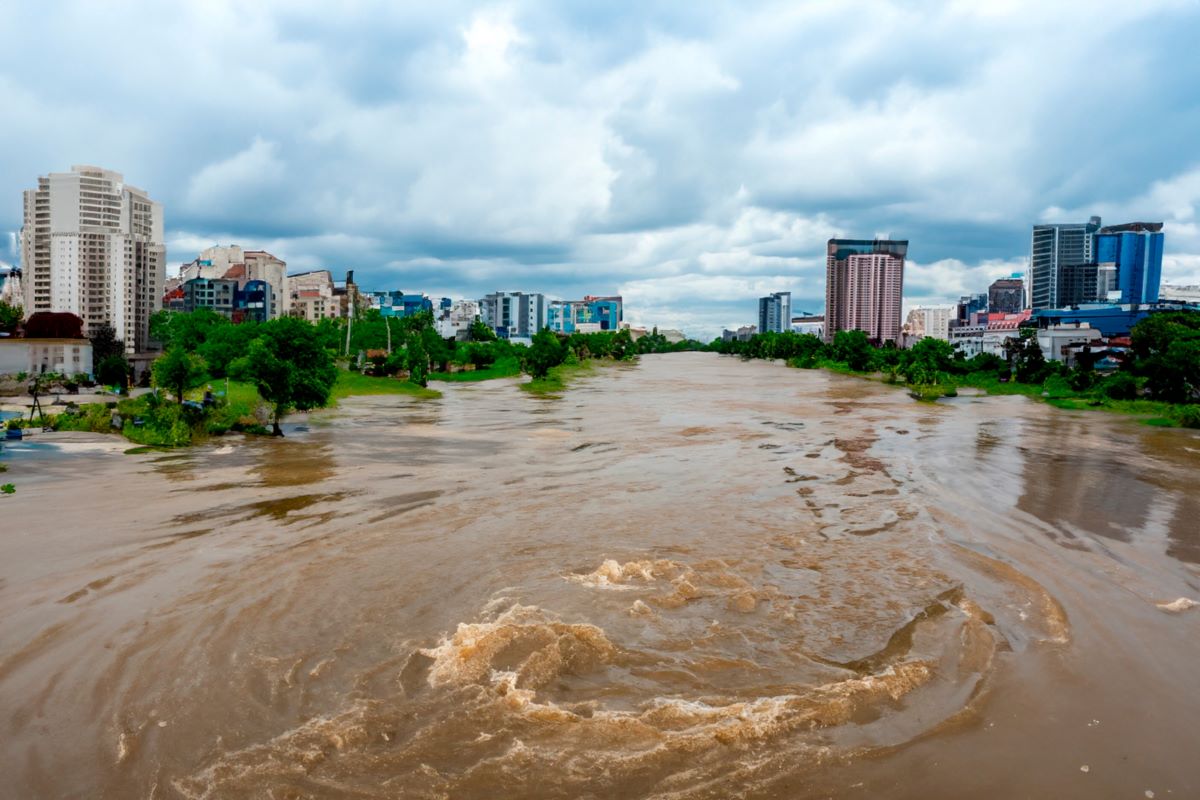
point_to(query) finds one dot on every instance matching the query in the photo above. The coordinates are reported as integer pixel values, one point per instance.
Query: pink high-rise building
(864, 282)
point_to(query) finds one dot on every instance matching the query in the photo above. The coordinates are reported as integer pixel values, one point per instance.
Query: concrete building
(1055, 246)
(775, 312)
(864, 283)
(311, 296)
(10, 288)
(809, 323)
(514, 315)
(742, 334)
(1179, 294)
(454, 321)
(1007, 295)
(988, 333)
(932, 321)
(1057, 340)
(93, 246)
(68, 357)
(592, 314)
(1077, 284)
(231, 262)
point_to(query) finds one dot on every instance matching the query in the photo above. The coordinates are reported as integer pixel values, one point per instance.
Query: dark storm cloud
(690, 157)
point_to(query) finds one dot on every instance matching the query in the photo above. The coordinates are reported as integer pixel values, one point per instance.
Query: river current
(692, 577)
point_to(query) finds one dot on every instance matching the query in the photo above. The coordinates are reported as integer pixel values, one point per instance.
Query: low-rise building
(1059, 340)
(232, 263)
(987, 333)
(311, 296)
(589, 315)
(453, 321)
(396, 303)
(809, 323)
(34, 356)
(931, 321)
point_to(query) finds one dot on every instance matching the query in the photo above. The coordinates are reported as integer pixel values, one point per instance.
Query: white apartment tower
(93, 246)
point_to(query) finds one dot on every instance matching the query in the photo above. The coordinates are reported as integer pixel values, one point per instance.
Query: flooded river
(689, 578)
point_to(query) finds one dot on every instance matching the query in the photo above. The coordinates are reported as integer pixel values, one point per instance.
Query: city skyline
(690, 165)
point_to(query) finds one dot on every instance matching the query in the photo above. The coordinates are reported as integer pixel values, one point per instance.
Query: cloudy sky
(689, 156)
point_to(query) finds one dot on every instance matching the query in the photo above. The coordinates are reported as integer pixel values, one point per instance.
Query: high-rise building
(1076, 284)
(1007, 295)
(864, 282)
(1129, 262)
(929, 321)
(514, 315)
(93, 246)
(775, 312)
(1052, 247)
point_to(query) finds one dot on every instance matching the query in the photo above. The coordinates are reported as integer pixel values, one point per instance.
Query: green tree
(10, 317)
(417, 359)
(188, 330)
(290, 367)
(480, 332)
(178, 370)
(105, 347)
(852, 348)
(927, 362)
(1025, 355)
(223, 344)
(545, 353)
(113, 370)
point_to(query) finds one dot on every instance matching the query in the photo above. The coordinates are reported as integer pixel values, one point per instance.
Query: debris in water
(1085, 768)
(1149, 793)
(1178, 605)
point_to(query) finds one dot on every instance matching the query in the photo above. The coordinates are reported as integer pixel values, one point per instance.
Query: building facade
(864, 284)
(68, 357)
(1007, 296)
(311, 296)
(514, 315)
(1052, 247)
(590, 315)
(1129, 262)
(929, 321)
(93, 246)
(231, 262)
(398, 304)
(453, 321)
(775, 312)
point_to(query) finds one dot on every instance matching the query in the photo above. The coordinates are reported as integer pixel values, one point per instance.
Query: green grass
(354, 384)
(1054, 391)
(504, 368)
(557, 378)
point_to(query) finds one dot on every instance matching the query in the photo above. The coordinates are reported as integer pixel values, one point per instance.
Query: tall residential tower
(864, 282)
(93, 246)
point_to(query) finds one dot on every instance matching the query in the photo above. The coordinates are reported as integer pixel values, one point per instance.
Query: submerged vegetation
(1160, 379)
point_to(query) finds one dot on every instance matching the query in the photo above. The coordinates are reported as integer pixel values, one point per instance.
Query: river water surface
(692, 577)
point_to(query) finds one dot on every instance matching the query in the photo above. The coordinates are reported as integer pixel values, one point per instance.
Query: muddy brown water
(689, 578)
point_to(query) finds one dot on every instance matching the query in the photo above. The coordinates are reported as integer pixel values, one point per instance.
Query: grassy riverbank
(557, 378)
(504, 368)
(355, 384)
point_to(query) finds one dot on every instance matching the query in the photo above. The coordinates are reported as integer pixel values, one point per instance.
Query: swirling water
(690, 577)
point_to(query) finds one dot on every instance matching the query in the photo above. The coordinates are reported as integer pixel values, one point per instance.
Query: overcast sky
(689, 156)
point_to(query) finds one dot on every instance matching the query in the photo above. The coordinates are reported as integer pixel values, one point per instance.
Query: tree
(223, 344)
(290, 367)
(178, 370)
(113, 370)
(480, 332)
(188, 330)
(545, 353)
(10, 317)
(417, 359)
(1025, 355)
(927, 362)
(853, 349)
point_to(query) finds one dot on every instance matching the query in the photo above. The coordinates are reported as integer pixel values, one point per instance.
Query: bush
(1189, 416)
(1121, 386)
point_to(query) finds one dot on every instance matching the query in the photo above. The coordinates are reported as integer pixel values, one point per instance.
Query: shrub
(1121, 386)
(1189, 416)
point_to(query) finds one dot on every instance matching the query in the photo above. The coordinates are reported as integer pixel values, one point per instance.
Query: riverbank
(504, 368)
(1054, 390)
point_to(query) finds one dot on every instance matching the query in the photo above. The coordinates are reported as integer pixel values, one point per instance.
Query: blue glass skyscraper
(1129, 261)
